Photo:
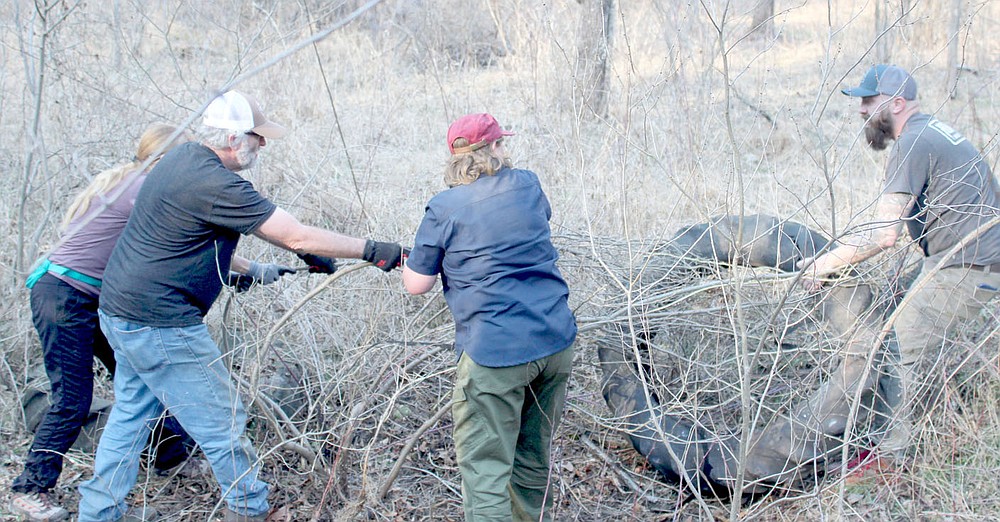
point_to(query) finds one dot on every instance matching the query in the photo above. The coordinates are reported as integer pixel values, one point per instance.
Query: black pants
(67, 324)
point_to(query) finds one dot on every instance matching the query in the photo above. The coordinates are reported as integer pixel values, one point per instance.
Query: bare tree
(954, 26)
(882, 25)
(41, 24)
(888, 15)
(594, 55)
(763, 18)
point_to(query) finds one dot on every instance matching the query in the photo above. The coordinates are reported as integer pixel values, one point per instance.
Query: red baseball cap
(478, 129)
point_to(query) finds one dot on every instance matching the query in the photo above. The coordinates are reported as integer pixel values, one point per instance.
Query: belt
(989, 269)
(47, 266)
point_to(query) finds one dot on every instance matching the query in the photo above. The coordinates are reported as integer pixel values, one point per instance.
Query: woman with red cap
(488, 236)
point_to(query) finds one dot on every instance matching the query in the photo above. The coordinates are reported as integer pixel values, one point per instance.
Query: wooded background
(639, 116)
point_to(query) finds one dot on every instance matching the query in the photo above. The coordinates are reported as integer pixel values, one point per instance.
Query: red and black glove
(385, 256)
(319, 264)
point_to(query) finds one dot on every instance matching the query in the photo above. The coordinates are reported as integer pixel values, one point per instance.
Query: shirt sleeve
(546, 207)
(238, 206)
(427, 254)
(908, 167)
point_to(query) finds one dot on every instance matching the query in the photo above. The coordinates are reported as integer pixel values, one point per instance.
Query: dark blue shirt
(168, 265)
(490, 241)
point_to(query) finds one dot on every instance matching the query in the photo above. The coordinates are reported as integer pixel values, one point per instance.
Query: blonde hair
(153, 140)
(466, 167)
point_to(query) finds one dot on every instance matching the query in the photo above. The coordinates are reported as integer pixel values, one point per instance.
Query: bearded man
(939, 188)
(166, 270)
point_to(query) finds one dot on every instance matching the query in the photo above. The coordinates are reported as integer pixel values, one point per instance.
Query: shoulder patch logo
(950, 134)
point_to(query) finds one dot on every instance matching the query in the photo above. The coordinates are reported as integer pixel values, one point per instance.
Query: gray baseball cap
(890, 80)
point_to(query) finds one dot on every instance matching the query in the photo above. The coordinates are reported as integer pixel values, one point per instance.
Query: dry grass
(368, 108)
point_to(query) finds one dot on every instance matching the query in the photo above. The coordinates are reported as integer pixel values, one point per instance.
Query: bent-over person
(64, 293)
(163, 276)
(939, 188)
(488, 237)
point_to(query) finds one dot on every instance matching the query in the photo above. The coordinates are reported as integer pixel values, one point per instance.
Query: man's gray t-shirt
(169, 264)
(955, 189)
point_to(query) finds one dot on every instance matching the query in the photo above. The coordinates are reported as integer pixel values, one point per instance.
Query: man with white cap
(939, 188)
(164, 274)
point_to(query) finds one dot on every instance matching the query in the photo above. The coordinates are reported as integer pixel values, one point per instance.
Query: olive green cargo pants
(504, 422)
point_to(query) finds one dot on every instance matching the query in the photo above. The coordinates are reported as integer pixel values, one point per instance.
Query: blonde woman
(64, 298)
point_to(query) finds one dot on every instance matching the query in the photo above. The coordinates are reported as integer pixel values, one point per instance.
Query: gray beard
(245, 159)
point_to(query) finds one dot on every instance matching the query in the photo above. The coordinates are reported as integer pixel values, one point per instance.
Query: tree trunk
(763, 19)
(883, 34)
(954, 28)
(594, 56)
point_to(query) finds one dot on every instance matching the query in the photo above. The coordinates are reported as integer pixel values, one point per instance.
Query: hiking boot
(191, 468)
(140, 514)
(37, 507)
(229, 515)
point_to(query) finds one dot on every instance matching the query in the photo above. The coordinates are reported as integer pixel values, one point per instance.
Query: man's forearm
(239, 264)
(883, 234)
(847, 255)
(283, 230)
(323, 242)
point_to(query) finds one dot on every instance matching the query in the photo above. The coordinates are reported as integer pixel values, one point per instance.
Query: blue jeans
(182, 369)
(67, 325)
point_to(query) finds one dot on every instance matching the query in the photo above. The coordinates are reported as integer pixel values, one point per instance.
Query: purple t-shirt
(88, 249)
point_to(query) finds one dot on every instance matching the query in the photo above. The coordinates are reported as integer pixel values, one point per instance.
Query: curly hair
(466, 167)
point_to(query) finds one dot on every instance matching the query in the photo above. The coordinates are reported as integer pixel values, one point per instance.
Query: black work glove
(267, 273)
(239, 282)
(319, 264)
(385, 256)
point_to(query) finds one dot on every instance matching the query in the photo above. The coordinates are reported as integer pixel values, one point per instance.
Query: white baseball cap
(239, 112)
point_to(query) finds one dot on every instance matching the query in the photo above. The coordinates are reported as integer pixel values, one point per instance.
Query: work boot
(192, 468)
(229, 515)
(140, 514)
(898, 440)
(37, 507)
